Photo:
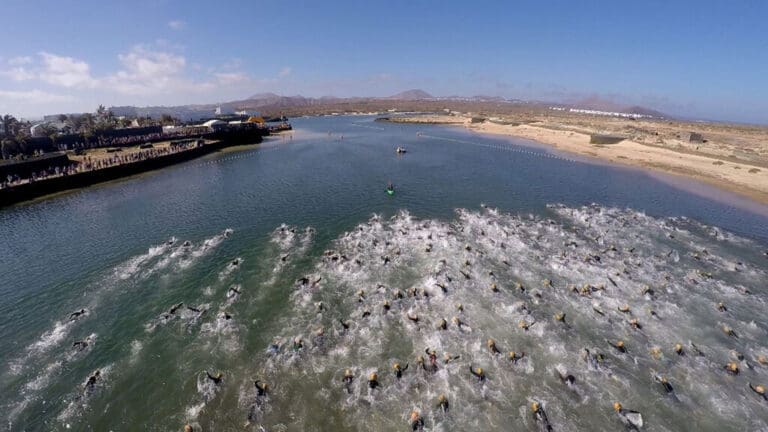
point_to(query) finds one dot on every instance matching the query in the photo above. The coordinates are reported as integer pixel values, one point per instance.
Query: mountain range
(414, 99)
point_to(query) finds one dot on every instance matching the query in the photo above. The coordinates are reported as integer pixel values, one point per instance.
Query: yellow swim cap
(535, 406)
(441, 398)
(414, 415)
(373, 377)
(347, 372)
(761, 359)
(617, 406)
(620, 344)
(187, 428)
(678, 347)
(512, 354)
(491, 342)
(479, 371)
(760, 389)
(396, 366)
(733, 367)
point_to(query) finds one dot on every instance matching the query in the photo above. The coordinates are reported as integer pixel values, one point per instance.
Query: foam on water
(393, 281)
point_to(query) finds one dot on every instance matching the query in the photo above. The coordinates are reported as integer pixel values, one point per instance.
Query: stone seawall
(28, 191)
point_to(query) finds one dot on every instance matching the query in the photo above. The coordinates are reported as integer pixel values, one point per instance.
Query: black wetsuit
(399, 371)
(541, 418)
(480, 376)
(215, 379)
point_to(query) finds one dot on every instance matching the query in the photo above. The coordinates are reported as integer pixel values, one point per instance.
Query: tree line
(17, 133)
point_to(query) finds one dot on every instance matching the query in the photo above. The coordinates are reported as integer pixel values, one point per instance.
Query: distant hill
(602, 104)
(414, 94)
(275, 104)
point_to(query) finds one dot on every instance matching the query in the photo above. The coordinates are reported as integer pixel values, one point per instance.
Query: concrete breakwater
(28, 191)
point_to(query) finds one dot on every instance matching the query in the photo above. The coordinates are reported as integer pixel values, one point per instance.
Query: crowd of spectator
(90, 164)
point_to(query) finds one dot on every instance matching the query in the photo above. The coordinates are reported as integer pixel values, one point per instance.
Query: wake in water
(497, 322)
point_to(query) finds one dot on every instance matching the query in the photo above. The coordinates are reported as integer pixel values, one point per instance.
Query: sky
(698, 59)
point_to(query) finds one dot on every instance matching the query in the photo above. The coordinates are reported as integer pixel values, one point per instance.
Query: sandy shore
(732, 160)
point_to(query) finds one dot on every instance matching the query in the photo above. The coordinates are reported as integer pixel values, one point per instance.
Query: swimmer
(366, 313)
(515, 356)
(386, 306)
(188, 428)
(540, 416)
(187, 243)
(298, 343)
(619, 346)
(460, 307)
(193, 309)
(442, 287)
(442, 325)
(760, 390)
(75, 315)
(236, 262)
(721, 307)
(81, 345)
(215, 378)
(560, 317)
(732, 368)
(442, 403)
(479, 373)
(414, 318)
(344, 325)
(348, 378)
(494, 288)
(373, 380)
(635, 324)
(447, 358)
(624, 308)
(261, 388)
(90, 383)
(399, 369)
(420, 362)
(679, 349)
(233, 291)
(466, 275)
(432, 355)
(492, 347)
(664, 383)
(416, 422)
(174, 308)
(567, 378)
(696, 350)
(524, 325)
(729, 331)
(633, 420)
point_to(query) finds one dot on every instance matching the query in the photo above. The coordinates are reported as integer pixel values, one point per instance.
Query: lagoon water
(553, 235)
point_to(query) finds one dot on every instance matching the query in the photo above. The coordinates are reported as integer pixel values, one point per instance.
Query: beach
(734, 158)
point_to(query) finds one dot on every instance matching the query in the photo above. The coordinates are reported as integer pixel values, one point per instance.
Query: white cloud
(65, 71)
(18, 74)
(21, 60)
(146, 72)
(177, 24)
(284, 72)
(228, 78)
(33, 96)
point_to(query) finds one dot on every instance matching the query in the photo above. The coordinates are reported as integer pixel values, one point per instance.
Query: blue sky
(705, 59)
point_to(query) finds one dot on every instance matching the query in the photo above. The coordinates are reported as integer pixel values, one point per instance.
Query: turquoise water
(118, 250)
